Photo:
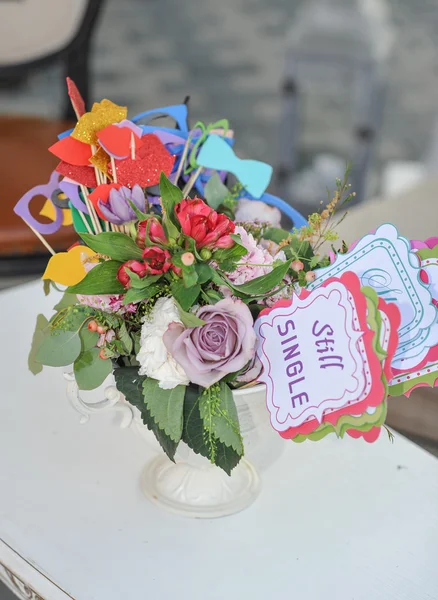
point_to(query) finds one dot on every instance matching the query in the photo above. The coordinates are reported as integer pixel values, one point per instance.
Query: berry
(92, 325)
(310, 276)
(297, 266)
(100, 329)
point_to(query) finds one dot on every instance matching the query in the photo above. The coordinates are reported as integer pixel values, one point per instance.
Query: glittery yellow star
(102, 114)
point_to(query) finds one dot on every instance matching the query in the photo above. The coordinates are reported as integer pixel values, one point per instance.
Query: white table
(339, 520)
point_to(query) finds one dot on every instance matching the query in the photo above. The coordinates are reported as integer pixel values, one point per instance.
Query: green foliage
(170, 195)
(46, 286)
(89, 338)
(39, 335)
(194, 436)
(117, 246)
(189, 319)
(230, 255)
(276, 234)
(59, 349)
(102, 279)
(125, 338)
(141, 282)
(265, 283)
(165, 406)
(219, 415)
(130, 383)
(215, 191)
(190, 276)
(204, 272)
(138, 295)
(90, 370)
(66, 300)
(185, 297)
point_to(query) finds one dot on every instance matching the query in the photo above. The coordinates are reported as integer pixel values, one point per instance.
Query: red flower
(135, 266)
(208, 228)
(156, 232)
(156, 260)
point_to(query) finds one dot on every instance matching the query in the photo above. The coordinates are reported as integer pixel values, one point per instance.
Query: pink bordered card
(317, 356)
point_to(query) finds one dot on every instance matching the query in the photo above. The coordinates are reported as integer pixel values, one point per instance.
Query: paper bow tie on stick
(252, 174)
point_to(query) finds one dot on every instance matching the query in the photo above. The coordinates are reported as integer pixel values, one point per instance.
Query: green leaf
(59, 349)
(170, 195)
(190, 276)
(141, 282)
(215, 191)
(186, 297)
(41, 332)
(91, 370)
(137, 295)
(233, 254)
(166, 407)
(189, 319)
(46, 286)
(265, 283)
(125, 338)
(314, 261)
(89, 338)
(66, 300)
(276, 234)
(130, 383)
(225, 457)
(118, 246)
(141, 216)
(204, 272)
(219, 414)
(102, 279)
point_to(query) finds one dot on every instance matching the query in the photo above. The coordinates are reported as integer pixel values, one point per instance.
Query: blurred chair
(33, 34)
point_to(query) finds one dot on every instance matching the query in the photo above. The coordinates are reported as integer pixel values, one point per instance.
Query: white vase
(191, 486)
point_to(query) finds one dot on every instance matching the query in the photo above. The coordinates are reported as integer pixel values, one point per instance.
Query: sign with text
(317, 355)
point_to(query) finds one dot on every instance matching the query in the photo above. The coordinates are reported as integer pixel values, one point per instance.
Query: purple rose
(225, 344)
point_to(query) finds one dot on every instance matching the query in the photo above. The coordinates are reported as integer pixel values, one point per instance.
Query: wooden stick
(113, 169)
(106, 225)
(96, 170)
(132, 145)
(84, 219)
(40, 237)
(93, 216)
(191, 182)
(182, 161)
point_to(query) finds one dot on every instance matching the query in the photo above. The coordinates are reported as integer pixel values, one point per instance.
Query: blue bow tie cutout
(216, 154)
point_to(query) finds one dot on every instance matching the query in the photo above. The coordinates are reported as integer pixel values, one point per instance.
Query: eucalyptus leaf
(186, 297)
(90, 370)
(215, 191)
(89, 338)
(59, 349)
(165, 406)
(41, 332)
(102, 279)
(130, 383)
(224, 456)
(117, 246)
(66, 300)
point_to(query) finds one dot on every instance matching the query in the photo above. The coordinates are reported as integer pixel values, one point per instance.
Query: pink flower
(107, 303)
(208, 228)
(225, 344)
(156, 232)
(256, 263)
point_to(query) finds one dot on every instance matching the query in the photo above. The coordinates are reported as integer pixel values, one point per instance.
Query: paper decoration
(216, 154)
(151, 158)
(71, 190)
(102, 114)
(82, 175)
(384, 261)
(102, 193)
(75, 97)
(178, 112)
(72, 151)
(48, 211)
(67, 268)
(328, 367)
(46, 190)
(117, 141)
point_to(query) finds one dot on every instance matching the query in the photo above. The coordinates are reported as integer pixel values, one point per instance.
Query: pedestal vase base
(199, 491)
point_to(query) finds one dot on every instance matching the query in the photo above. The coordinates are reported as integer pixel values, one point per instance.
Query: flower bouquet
(179, 291)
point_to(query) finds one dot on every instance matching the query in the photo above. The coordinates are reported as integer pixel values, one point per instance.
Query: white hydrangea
(155, 361)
